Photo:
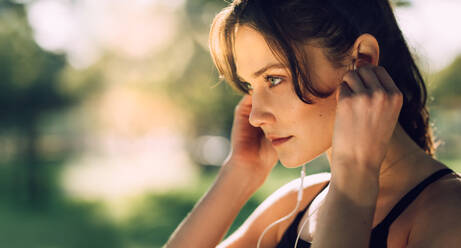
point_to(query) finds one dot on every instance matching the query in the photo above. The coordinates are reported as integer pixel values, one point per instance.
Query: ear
(366, 50)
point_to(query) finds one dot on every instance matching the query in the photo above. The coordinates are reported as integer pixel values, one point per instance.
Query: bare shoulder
(311, 185)
(285, 197)
(437, 221)
(277, 205)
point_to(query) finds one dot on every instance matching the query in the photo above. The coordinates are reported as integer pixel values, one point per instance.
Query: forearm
(346, 217)
(210, 219)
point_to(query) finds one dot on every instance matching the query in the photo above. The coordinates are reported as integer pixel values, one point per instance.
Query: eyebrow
(264, 69)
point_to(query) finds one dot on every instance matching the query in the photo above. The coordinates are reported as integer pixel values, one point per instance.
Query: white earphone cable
(300, 197)
(301, 230)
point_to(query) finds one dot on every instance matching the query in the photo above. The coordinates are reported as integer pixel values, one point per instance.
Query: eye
(274, 81)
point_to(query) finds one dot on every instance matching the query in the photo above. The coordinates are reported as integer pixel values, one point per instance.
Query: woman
(325, 76)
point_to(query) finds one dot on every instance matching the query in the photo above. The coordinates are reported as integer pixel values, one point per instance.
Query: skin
(373, 161)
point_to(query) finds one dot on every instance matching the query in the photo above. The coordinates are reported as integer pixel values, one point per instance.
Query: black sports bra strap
(411, 195)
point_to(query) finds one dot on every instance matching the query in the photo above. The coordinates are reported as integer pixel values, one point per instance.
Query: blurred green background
(113, 123)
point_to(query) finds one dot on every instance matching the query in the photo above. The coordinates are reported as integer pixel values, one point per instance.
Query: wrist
(242, 176)
(360, 185)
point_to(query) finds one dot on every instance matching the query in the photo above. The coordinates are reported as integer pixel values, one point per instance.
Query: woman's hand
(367, 111)
(250, 149)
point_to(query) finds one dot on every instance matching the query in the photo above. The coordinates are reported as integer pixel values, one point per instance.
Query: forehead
(251, 51)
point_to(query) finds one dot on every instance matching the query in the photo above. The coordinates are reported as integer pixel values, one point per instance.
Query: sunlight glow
(134, 145)
(431, 28)
(211, 150)
(84, 29)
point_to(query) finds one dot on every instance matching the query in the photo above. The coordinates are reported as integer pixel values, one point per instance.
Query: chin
(292, 161)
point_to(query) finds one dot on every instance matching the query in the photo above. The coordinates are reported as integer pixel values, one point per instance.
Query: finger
(245, 102)
(343, 91)
(354, 82)
(386, 80)
(244, 106)
(370, 79)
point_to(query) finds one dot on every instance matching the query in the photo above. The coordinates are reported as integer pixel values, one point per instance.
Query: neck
(402, 160)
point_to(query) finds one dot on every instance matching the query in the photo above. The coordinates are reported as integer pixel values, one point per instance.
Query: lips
(279, 141)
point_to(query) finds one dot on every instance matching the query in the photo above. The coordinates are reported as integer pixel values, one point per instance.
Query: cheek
(313, 127)
(326, 118)
(314, 131)
(317, 125)
(319, 116)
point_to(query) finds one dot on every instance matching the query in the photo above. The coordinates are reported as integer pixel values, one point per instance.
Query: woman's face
(276, 108)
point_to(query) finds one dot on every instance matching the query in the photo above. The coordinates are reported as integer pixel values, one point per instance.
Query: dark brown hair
(287, 25)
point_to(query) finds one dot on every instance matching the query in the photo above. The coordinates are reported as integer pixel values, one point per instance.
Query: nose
(260, 111)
